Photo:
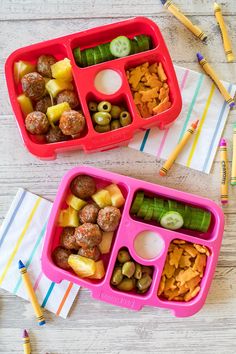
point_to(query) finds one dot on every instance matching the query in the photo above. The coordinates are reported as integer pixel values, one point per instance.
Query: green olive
(92, 106)
(138, 271)
(123, 256)
(102, 128)
(115, 124)
(104, 106)
(126, 285)
(144, 282)
(128, 269)
(102, 118)
(115, 112)
(117, 276)
(125, 118)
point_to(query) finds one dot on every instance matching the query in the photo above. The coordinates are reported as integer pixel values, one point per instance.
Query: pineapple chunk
(54, 112)
(68, 217)
(22, 68)
(82, 266)
(105, 245)
(117, 198)
(102, 198)
(99, 270)
(25, 104)
(75, 202)
(54, 86)
(61, 70)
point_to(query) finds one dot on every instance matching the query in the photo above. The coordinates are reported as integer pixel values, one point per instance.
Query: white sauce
(148, 244)
(107, 81)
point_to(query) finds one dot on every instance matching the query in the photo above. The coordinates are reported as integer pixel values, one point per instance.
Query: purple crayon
(211, 73)
(26, 342)
(223, 172)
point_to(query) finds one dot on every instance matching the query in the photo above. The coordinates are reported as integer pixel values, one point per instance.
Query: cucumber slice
(108, 52)
(206, 221)
(120, 47)
(83, 59)
(149, 213)
(172, 204)
(137, 203)
(90, 56)
(188, 216)
(172, 220)
(77, 55)
(103, 51)
(143, 209)
(143, 42)
(97, 55)
(134, 47)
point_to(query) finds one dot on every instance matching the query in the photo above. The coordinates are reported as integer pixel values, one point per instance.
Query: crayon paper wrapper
(201, 100)
(21, 237)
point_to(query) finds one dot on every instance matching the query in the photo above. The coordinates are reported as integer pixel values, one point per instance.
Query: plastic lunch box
(84, 84)
(125, 235)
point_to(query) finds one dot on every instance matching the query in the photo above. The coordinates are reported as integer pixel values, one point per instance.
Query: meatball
(72, 122)
(68, 96)
(88, 235)
(67, 238)
(43, 104)
(83, 186)
(44, 65)
(55, 134)
(108, 218)
(37, 123)
(60, 257)
(33, 85)
(92, 253)
(89, 213)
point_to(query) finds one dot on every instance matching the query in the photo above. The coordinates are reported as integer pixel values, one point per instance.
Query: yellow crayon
(173, 156)
(223, 172)
(233, 170)
(226, 41)
(30, 291)
(208, 69)
(184, 20)
(26, 342)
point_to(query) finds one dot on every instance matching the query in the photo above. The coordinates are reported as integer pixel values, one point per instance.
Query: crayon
(225, 37)
(31, 294)
(173, 156)
(26, 342)
(233, 170)
(184, 20)
(211, 73)
(223, 172)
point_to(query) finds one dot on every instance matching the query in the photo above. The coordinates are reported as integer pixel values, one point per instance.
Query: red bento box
(62, 47)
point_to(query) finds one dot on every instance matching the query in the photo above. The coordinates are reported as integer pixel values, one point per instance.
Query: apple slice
(117, 198)
(105, 245)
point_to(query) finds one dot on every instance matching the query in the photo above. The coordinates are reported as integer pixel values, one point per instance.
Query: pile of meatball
(84, 239)
(71, 123)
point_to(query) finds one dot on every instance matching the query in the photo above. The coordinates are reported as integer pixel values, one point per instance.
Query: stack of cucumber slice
(117, 48)
(154, 208)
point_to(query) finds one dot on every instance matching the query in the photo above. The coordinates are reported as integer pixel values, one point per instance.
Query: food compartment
(153, 85)
(164, 211)
(89, 224)
(131, 277)
(109, 114)
(134, 36)
(42, 81)
(185, 272)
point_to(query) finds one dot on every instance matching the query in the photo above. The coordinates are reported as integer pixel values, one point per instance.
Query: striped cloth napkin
(21, 237)
(201, 100)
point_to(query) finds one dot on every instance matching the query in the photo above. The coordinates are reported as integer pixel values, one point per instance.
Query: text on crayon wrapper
(223, 177)
(118, 300)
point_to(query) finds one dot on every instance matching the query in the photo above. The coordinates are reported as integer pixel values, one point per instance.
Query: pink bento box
(125, 235)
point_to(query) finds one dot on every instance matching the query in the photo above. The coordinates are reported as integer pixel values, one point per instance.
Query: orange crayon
(173, 156)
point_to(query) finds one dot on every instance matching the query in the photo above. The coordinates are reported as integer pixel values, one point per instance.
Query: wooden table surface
(93, 326)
